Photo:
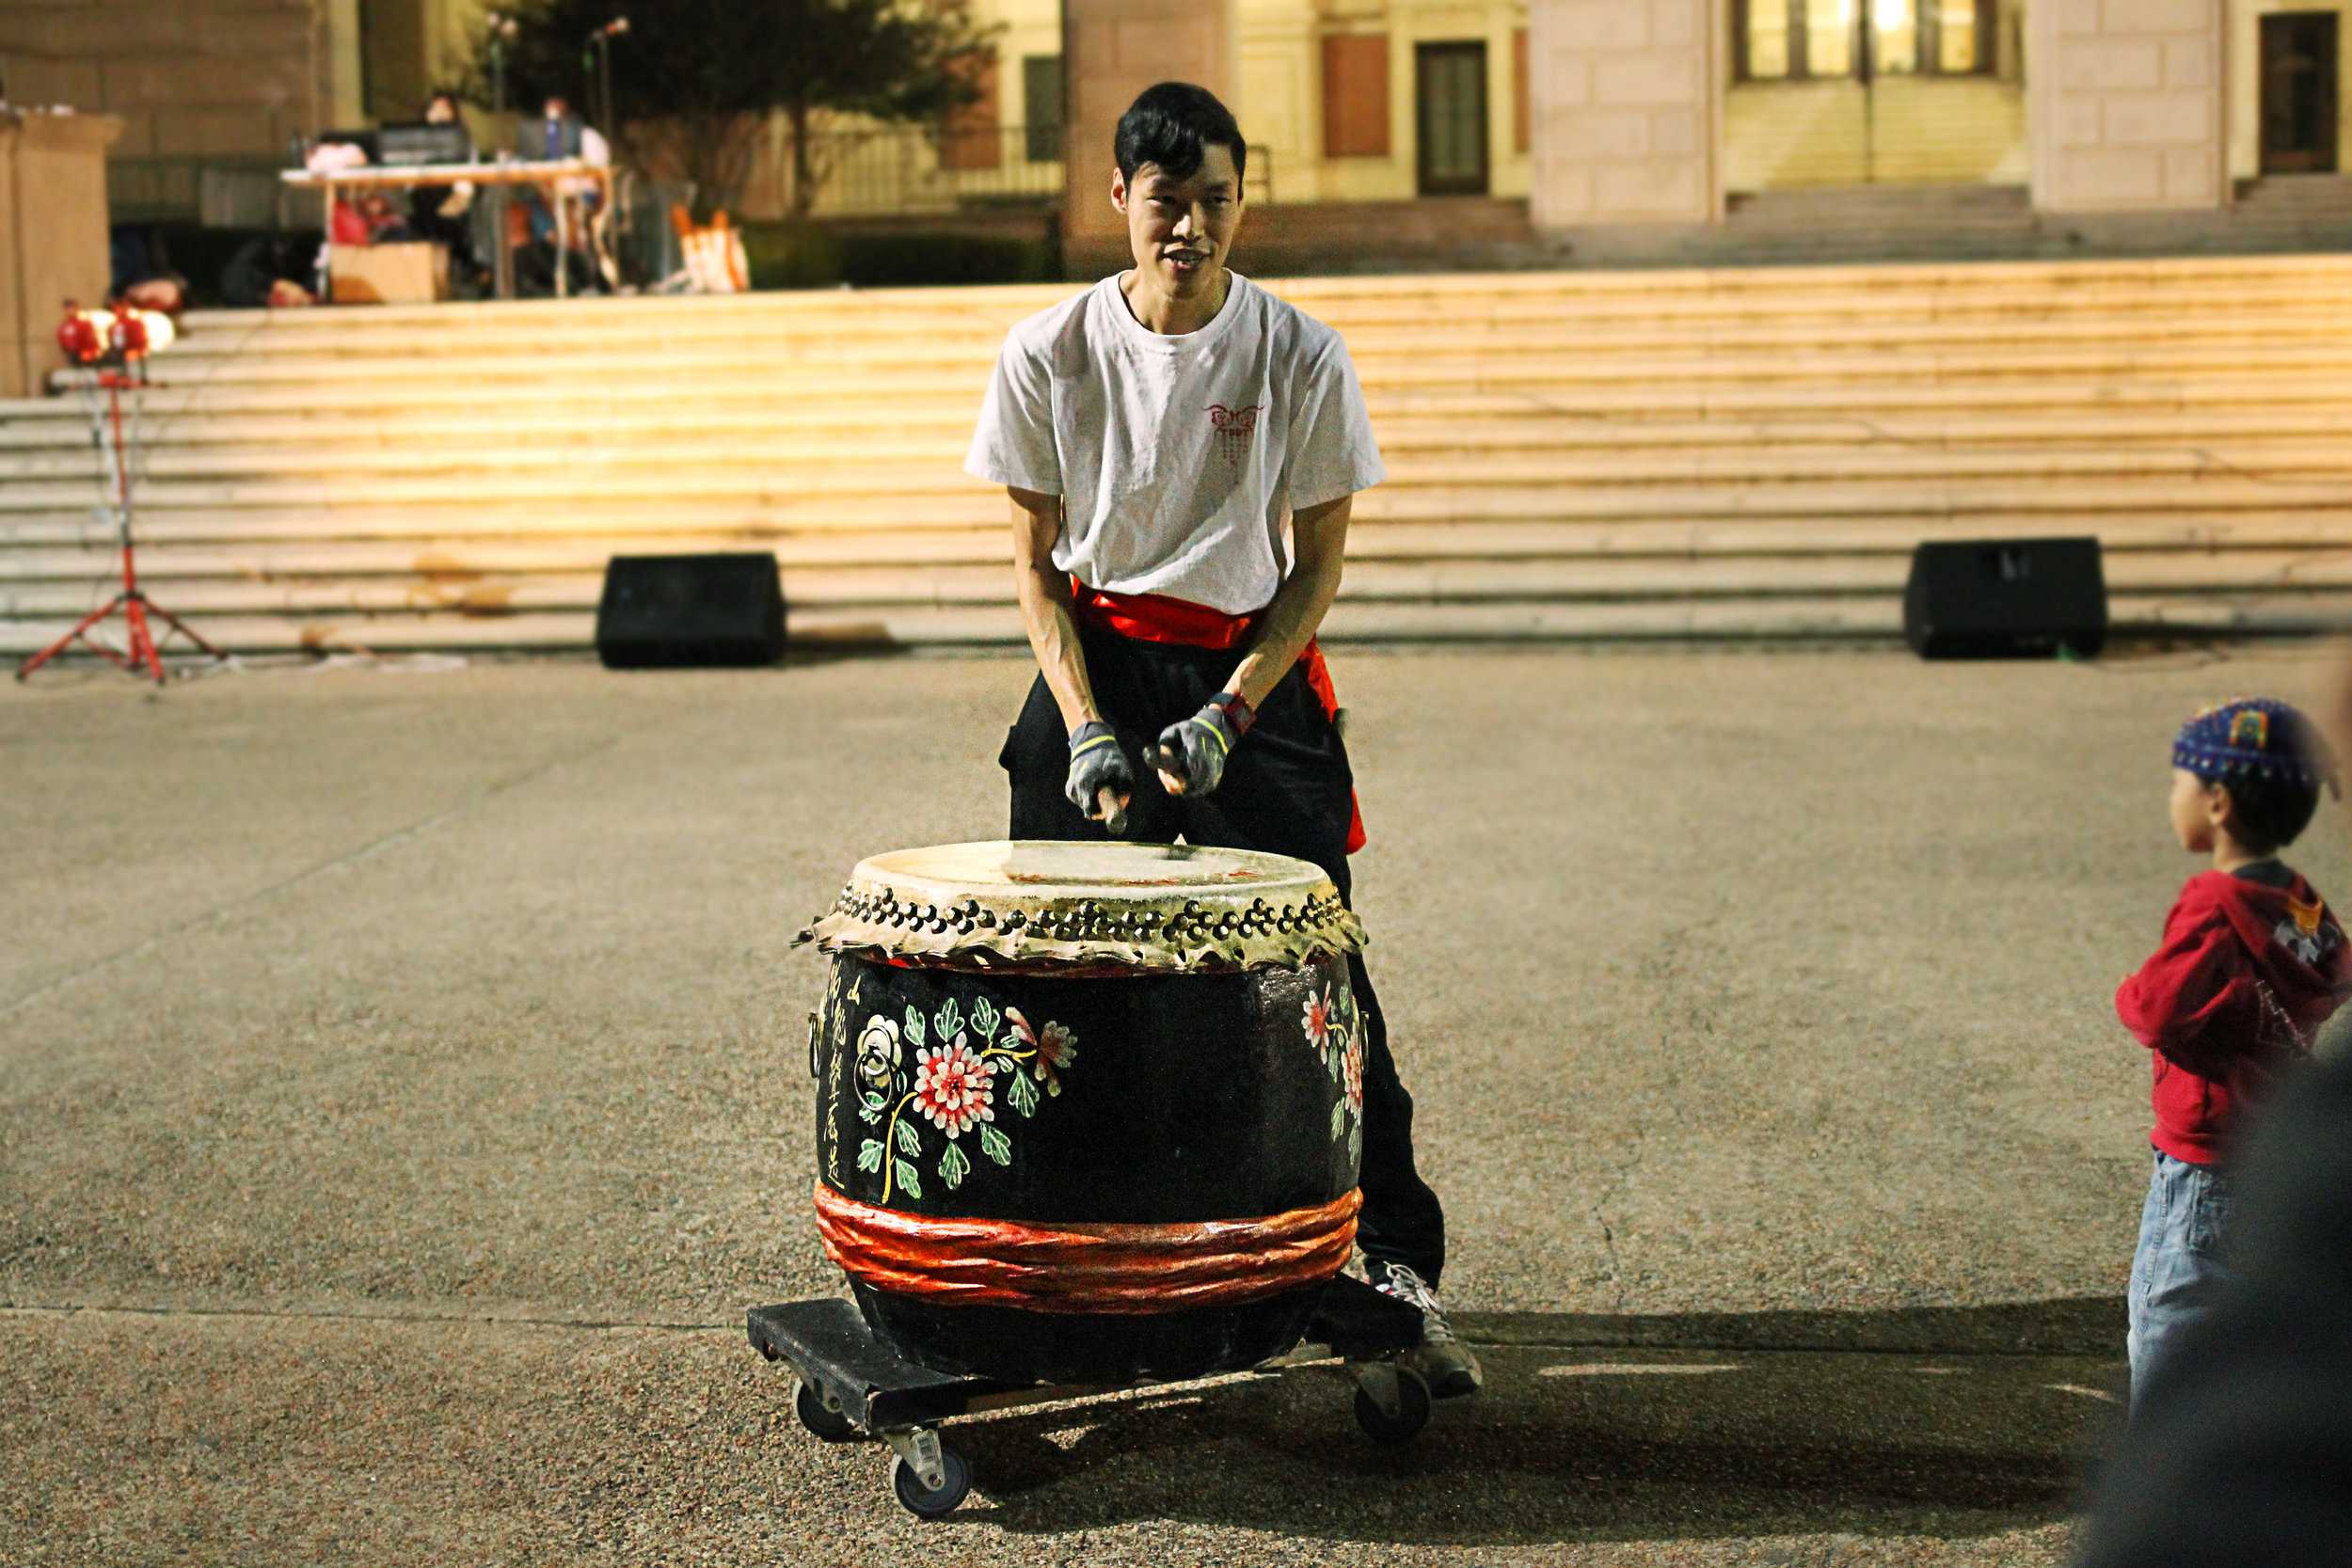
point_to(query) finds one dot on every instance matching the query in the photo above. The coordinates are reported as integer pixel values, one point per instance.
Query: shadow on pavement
(1939, 1422)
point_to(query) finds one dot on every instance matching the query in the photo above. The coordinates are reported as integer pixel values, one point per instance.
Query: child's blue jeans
(2177, 1270)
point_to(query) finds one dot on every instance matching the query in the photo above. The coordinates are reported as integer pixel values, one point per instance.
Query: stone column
(1111, 51)
(2126, 104)
(52, 235)
(1626, 109)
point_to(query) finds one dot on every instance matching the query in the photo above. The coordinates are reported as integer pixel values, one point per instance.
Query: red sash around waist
(1156, 618)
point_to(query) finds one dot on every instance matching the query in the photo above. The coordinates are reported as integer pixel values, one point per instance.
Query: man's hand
(1101, 781)
(1191, 755)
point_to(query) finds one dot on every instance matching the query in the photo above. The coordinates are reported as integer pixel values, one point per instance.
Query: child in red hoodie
(2251, 963)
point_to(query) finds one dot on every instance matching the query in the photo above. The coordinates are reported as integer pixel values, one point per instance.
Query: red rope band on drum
(1086, 1268)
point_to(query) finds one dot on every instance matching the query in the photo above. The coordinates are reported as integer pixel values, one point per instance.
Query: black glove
(1193, 754)
(1098, 762)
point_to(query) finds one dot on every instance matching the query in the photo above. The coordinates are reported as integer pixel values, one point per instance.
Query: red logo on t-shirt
(1234, 427)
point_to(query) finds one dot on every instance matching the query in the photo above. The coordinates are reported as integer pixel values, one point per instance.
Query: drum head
(1143, 906)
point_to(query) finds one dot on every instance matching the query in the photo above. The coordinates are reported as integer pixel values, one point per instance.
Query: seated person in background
(443, 214)
(556, 136)
(559, 135)
(368, 218)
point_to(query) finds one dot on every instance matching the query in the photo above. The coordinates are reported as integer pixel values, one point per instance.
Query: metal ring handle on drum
(816, 1032)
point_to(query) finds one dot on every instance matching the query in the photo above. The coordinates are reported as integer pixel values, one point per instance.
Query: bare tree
(696, 82)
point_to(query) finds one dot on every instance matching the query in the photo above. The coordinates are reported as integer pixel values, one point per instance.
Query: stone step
(2205, 310)
(269, 552)
(1877, 619)
(1788, 519)
(940, 431)
(324, 475)
(1371, 581)
(1747, 453)
(1926, 326)
(1925, 485)
(2101, 277)
(2182, 326)
(1704, 381)
(167, 410)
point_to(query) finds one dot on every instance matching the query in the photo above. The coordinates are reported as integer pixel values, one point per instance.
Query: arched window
(1777, 40)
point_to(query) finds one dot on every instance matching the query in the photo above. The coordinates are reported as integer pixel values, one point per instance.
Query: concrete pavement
(401, 1098)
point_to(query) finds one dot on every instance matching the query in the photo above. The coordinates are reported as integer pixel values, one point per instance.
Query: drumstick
(1114, 813)
(1169, 764)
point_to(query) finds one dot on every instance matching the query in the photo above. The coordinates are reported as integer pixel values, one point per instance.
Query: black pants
(1288, 791)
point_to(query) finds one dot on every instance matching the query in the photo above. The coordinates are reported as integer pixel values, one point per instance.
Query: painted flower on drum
(878, 1051)
(1334, 1033)
(953, 1088)
(1318, 1018)
(967, 1064)
(1057, 1048)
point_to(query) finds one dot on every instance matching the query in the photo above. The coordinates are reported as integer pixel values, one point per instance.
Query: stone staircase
(1657, 454)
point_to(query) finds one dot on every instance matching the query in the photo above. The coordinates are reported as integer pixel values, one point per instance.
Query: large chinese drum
(1088, 1112)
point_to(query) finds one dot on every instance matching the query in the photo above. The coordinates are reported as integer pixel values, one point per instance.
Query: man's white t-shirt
(1178, 459)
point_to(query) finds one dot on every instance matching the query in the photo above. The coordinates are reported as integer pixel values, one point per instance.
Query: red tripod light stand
(117, 345)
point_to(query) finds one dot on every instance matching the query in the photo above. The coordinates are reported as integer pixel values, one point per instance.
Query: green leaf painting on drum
(1023, 1094)
(831, 1031)
(1334, 1032)
(954, 1083)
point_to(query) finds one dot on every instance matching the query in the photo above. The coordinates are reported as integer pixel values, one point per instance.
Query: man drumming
(1156, 433)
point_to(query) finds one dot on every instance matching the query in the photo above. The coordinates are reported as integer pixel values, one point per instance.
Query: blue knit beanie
(2258, 738)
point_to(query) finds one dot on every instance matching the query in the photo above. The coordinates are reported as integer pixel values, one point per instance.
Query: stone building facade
(1594, 112)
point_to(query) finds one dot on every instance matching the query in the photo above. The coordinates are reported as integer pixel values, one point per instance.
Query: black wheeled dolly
(854, 1388)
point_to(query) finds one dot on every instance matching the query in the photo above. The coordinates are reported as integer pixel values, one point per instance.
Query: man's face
(440, 112)
(557, 109)
(1180, 229)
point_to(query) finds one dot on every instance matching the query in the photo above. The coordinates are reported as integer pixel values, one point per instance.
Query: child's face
(2198, 809)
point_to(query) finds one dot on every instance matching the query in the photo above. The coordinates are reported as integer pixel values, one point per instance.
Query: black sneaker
(1443, 1361)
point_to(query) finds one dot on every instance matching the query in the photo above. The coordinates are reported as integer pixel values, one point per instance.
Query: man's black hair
(1170, 125)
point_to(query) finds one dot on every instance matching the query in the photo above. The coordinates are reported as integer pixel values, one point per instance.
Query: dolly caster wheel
(1391, 1402)
(822, 1415)
(932, 1503)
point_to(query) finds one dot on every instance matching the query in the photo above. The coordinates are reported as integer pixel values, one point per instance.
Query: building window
(973, 138)
(1355, 95)
(1779, 41)
(1041, 97)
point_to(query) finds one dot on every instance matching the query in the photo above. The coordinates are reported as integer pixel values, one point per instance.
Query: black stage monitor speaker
(2005, 598)
(689, 609)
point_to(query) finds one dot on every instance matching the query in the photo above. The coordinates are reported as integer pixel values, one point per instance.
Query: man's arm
(1101, 785)
(1319, 541)
(1046, 607)
(1200, 745)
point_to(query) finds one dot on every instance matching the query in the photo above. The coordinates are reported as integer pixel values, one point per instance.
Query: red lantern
(78, 336)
